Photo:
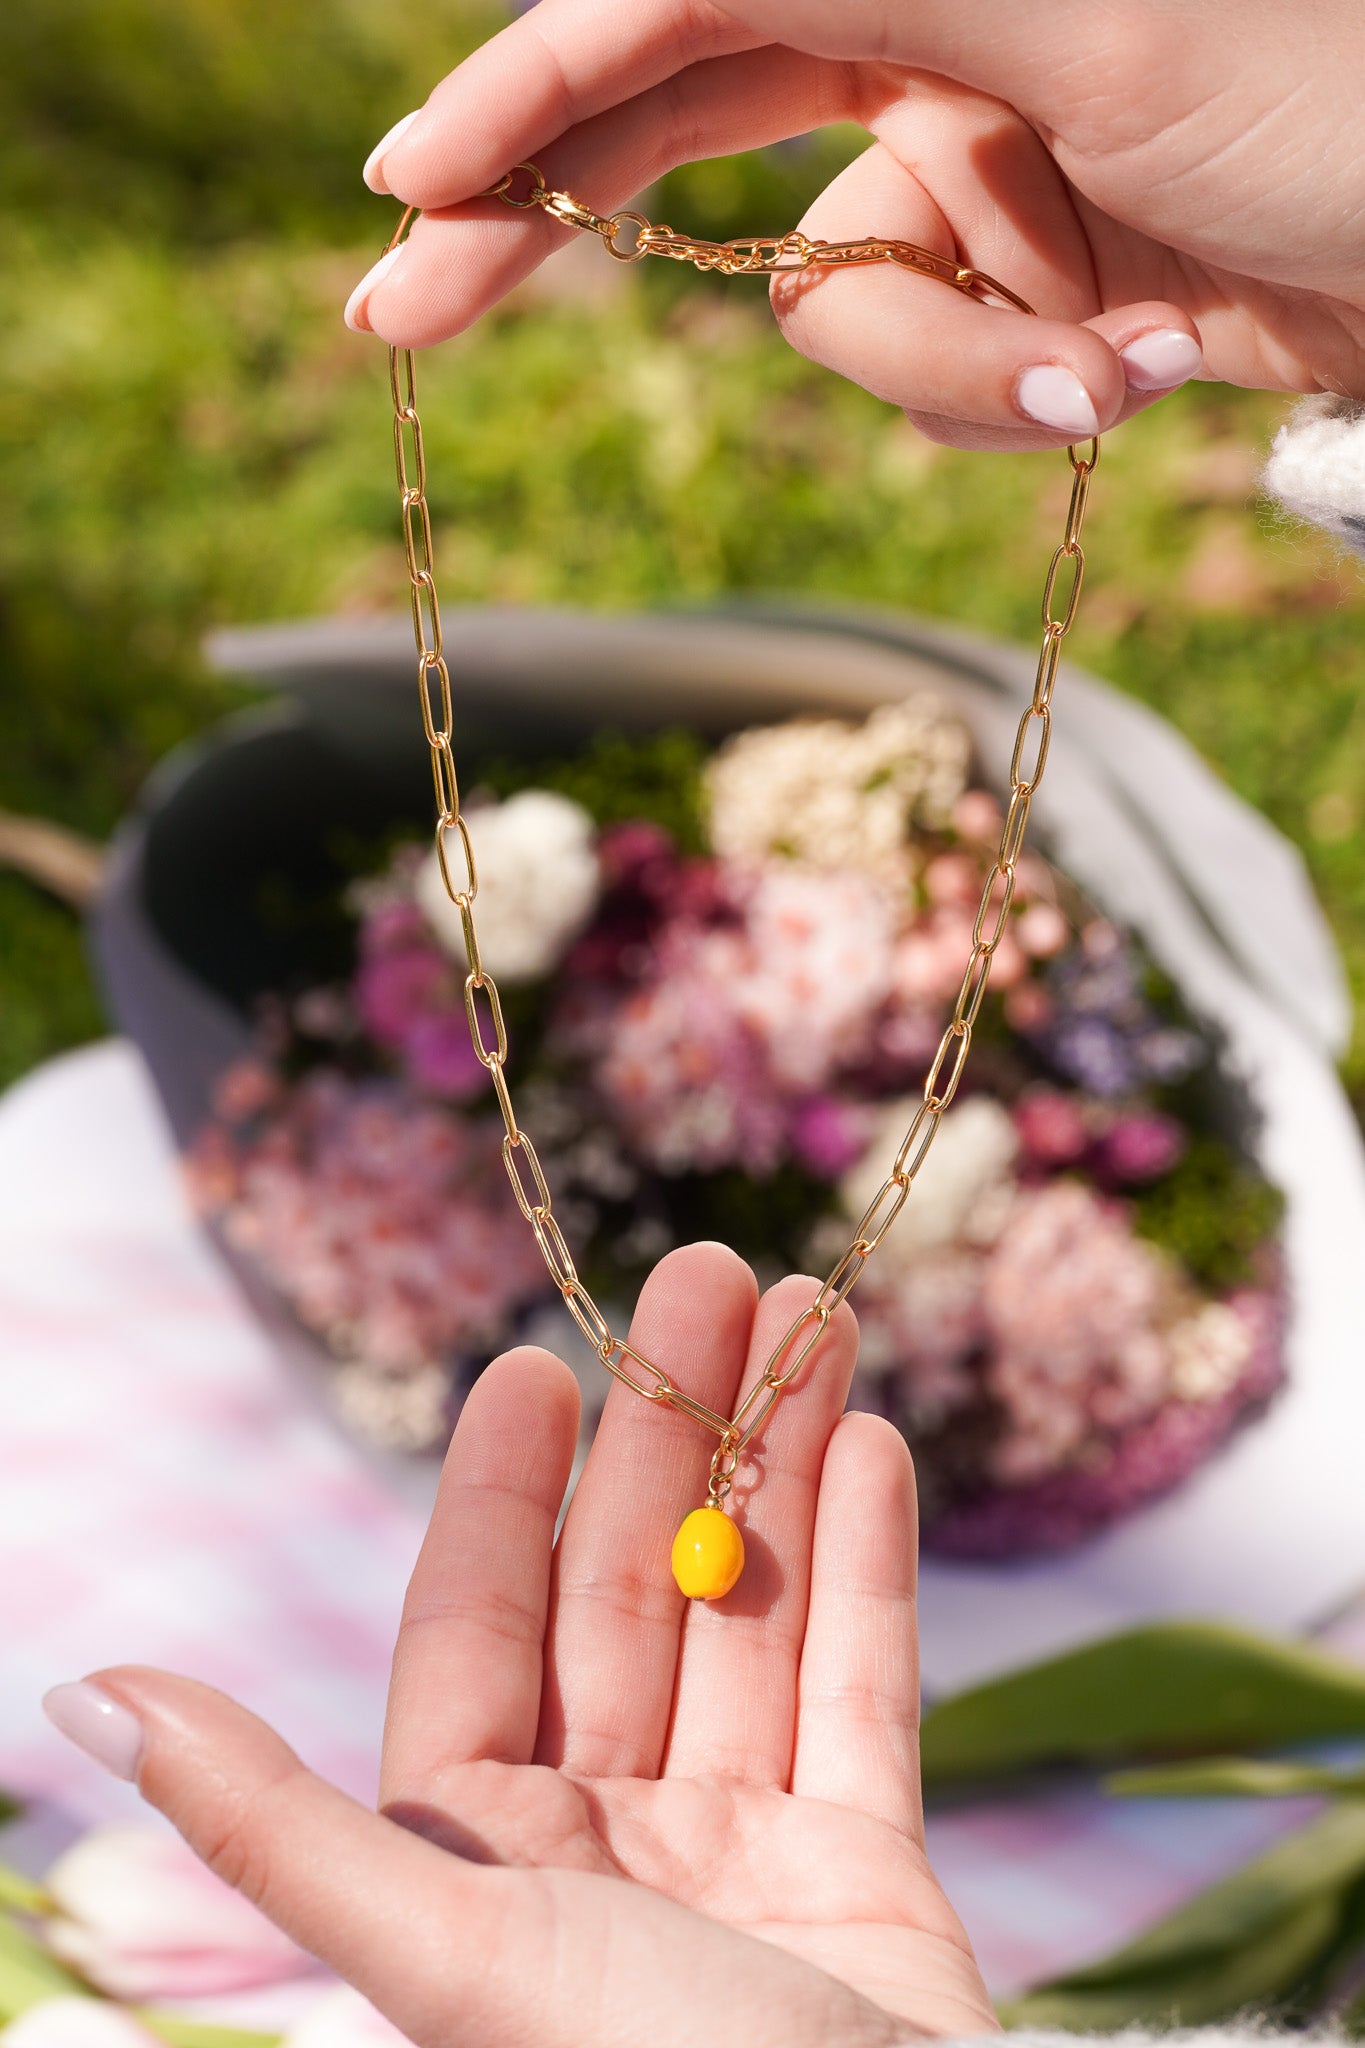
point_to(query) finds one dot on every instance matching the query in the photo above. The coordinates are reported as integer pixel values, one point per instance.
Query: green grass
(189, 437)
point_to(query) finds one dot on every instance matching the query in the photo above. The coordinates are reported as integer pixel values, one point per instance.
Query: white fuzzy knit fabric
(1317, 466)
(1249, 2035)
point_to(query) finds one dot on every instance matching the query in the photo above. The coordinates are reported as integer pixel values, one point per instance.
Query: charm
(708, 1553)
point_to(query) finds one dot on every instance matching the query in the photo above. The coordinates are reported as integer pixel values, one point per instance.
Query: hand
(1147, 175)
(611, 1816)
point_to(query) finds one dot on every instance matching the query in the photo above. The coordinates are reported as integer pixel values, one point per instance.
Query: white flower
(343, 2019)
(139, 1915)
(538, 883)
(961, 1192)
(836, 795)
(76, 2023)
(1208, 1353)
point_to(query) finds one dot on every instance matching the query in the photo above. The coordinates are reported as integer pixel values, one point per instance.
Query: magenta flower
(441, 1058)
(392, 990)
(828, 1134)
(1140, 1147)
(1051, 1127)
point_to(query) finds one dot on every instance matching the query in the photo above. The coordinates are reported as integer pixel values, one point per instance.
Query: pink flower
(394, 989)
(977, 816)
(1041, 930)
(815, 970)
(685, 1077)
(953, 878)
(1051, 1127)
(1028, 1007)
(77, 2023)
(1141, 1147)
(929, 1318)
(343, 2019)
(243, 1090)
(394, 924)
(139, 1915)
(385, 1222)
(1070, 1297)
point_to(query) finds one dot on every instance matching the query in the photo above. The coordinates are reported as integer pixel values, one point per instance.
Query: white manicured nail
(373, 173)
(1056, 397)
(359, 299)
(1160, 360)
(101, 1726)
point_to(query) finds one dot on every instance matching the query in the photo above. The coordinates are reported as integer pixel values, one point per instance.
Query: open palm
(622, 1816)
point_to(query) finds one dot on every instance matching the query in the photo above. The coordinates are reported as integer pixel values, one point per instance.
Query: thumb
(425, 1935)
(457, 1953)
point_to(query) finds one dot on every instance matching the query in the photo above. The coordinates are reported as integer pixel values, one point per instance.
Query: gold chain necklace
(708, 1553)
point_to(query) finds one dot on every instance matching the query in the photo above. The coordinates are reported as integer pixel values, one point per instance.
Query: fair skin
(609, 1815)
(1150, 166)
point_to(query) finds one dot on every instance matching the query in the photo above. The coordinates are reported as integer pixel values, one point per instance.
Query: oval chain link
(753, 257)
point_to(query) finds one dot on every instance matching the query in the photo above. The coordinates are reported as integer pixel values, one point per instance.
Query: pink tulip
(141, 1917)
(76, 2023)
(343, 2019)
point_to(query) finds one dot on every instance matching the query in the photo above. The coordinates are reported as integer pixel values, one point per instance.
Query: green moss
(1212, 1211)
(617, 778)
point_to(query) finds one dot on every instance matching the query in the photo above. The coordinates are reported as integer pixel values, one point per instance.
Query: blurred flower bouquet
(724, 977)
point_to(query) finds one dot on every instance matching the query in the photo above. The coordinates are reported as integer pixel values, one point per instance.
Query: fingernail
(1056, 397)
(355, 305)
(373, 173)
(1160, 360)
(97, 1724)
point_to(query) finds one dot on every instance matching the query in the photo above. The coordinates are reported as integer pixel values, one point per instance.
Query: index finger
(547, 72)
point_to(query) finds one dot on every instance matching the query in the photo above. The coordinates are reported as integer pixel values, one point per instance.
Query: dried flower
(963, 1188)
(1071, 1298)
(385, 1223)
(1139, 1147)
(538, 884)
(1051, 1127)
(837, 795)
(1208, 1353)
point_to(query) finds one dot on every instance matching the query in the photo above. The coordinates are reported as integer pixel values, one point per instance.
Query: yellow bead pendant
(708, 1553)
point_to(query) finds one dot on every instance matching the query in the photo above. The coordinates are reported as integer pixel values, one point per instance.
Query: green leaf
(1249, 1940)
(19, 1894)
(1237, 1777)
(10, 1809)
(1330, 1988)
(1192, 1687)
(28, 1974)
(183, 2033)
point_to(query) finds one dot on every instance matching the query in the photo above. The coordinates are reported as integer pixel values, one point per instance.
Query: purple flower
(440, 1057)
(393, 990)
(1167, 1054)
(1092, 1052)
(391, 927)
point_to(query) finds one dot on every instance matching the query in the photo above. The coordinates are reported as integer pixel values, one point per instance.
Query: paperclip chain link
(459, 872)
